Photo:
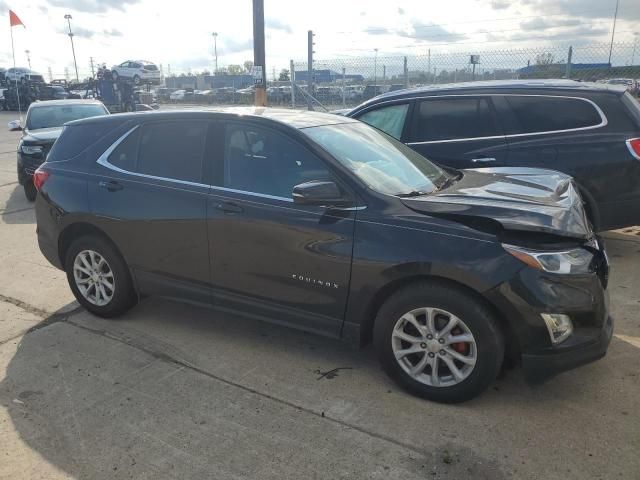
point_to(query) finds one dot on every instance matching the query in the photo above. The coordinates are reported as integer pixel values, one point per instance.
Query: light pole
(73, 50)
(28, 58)
(215, 52)
(375, 69)
(633, 54)
(613, 31)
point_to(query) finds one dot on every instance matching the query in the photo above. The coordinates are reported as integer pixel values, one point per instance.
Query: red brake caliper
(459, 347)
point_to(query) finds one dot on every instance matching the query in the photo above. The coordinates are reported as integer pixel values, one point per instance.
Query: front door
(457, 131)
(270, 257)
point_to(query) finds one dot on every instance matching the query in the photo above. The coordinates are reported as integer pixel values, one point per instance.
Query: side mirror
(319, 193)
(14, 126)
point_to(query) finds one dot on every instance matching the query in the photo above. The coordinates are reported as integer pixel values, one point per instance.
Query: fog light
(559, 326)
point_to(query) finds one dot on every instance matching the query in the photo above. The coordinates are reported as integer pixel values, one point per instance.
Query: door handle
(228, 207)
(111, 185)
(483, 160)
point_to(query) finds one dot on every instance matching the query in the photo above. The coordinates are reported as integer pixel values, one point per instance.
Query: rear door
(150, 198)
(459, 131)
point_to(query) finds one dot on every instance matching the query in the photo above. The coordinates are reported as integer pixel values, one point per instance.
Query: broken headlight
(576, 260)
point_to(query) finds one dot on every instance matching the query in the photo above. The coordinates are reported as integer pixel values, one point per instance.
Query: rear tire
(30, 191)
(104, 286)
(136, 80)
(463, 369)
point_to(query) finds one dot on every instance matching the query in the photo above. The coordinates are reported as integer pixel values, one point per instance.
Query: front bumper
(576, 351)
(584, 298)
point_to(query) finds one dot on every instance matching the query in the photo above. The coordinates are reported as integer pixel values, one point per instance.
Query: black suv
(43, 125)
(326, 224)
(588, 131)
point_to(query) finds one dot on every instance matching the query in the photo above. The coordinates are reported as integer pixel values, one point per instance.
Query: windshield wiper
(413, 193)
(449, 180)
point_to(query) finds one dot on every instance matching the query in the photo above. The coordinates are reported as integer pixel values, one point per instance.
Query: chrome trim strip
(255, 194)
(630, 148)
(602, 123)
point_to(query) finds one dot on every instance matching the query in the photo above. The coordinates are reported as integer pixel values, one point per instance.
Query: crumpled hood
(526, 199)
(44, 135)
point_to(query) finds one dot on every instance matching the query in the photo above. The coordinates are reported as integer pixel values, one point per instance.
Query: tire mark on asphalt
(4, 212)
(47, 317)
(169, 359)
(7, 184)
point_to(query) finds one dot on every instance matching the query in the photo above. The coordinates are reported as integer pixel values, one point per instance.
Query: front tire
(439, 342)
(136, 80)
(30, 191)
(99, 277)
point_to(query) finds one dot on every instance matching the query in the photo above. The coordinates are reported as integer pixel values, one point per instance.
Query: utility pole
(260, 74)
(292, 78)
(93, 73)
(73, 50)
(28, 58)
(215, 52)
(310, 52)
(633, 54)
(567, 73)
(50, 74)
(613, 31)
(405, 71)
(375, 71)
(428, 62)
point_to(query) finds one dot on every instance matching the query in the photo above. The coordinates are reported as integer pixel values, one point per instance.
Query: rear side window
(125, 154)
(172, 150)
(453, 118)
(388, 119)
(546, 114)
(74, 140)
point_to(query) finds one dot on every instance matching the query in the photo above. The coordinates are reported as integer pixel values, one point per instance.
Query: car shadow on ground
(173, 390)
(18, 210)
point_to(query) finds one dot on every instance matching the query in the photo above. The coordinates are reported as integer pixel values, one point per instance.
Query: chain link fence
(347, 81)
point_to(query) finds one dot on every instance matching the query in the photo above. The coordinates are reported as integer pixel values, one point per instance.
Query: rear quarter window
(74, 140)
(535, 114)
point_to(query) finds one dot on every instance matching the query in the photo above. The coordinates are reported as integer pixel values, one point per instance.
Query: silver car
(20, 74)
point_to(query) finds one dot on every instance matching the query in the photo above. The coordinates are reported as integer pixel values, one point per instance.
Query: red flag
(14, 19)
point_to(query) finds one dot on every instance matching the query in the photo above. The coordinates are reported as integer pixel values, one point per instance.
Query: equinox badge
(314, 281)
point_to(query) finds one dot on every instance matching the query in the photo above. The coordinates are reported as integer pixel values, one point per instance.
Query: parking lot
(172, 390)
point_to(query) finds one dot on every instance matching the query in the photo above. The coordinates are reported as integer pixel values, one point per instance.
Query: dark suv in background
(588, 131)
(327, 224)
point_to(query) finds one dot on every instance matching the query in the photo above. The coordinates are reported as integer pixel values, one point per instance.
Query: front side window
(388, 119)
(264, 161)
(546, 114)
(453, 118)
(380, 161)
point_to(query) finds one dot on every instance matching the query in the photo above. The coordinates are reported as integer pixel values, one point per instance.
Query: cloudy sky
(179, 33)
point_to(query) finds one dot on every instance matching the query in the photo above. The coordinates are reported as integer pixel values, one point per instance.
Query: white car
(177, 95)
(139, 71)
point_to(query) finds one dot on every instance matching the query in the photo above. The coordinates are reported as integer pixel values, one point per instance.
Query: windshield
(383, 163)
(58, 115)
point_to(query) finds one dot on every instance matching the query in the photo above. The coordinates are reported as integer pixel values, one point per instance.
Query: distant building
(575, 67)
(326, 76)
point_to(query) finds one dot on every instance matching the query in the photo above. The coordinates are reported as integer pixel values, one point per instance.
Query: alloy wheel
(93, 277)
(434, 347)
